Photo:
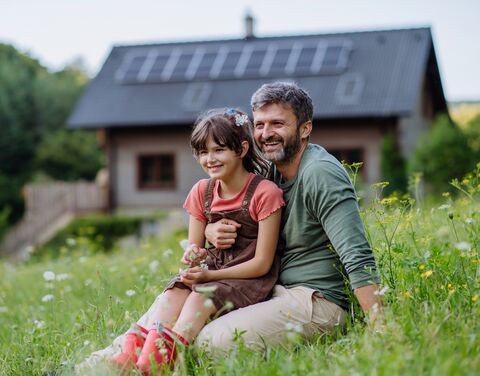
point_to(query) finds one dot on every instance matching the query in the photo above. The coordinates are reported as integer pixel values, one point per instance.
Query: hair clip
(240, 120)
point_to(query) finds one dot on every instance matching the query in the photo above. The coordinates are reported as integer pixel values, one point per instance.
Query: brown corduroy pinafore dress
(240, 292)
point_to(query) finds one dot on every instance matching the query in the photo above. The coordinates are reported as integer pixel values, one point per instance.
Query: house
(145, 99)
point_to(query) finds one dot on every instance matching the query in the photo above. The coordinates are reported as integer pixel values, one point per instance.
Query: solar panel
(284, 58)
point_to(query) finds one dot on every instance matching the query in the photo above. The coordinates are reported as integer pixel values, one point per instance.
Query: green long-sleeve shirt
(323, 235)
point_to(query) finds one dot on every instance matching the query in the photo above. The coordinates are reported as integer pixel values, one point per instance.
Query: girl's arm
(260, 264)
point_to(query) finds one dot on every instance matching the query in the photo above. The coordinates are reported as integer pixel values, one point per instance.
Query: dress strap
(207, 197)
(251, 190)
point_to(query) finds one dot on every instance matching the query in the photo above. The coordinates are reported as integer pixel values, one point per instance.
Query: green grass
(427, 256)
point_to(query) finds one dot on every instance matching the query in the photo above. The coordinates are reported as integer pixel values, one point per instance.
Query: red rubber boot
(134, 340)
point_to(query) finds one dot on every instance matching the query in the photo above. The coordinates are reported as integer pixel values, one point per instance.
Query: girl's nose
(211, 157)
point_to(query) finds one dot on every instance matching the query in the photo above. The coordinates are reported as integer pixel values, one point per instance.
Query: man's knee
(215, 337)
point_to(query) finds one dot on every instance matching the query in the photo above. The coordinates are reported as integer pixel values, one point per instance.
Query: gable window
(156, 171)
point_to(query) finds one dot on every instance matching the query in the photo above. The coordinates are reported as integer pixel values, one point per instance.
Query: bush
(392, 166)
(91, 235)
(441, 155)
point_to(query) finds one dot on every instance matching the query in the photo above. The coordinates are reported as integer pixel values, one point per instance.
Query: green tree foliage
(442, 154)
(393, 166)
(472, 130)
(69, 155)
(34, 107)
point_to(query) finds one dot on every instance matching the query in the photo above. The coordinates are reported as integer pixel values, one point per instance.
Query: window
(156, 171)
(347, 155)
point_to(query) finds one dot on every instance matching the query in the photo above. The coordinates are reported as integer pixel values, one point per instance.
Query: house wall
(124, 148)
(410, 128)
(364, 135)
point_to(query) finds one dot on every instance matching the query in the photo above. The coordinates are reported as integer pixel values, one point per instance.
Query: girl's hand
(194, 255)
(195, 275)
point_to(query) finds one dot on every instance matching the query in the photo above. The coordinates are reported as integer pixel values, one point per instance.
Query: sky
(60, 32)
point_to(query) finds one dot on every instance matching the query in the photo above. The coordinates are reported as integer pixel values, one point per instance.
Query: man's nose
(267, 131)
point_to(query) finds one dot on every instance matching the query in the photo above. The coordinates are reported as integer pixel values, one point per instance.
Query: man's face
(276, 132)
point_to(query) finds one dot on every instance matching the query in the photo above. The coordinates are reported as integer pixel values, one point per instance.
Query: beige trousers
(298, 309)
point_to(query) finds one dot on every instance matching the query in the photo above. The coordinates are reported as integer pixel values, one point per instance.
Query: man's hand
(194, 255)
(222, 234)
(195, 275)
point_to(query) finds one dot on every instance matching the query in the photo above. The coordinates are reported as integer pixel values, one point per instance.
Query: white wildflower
(184, 244)
(63, 277)
(382, 291)
(48, 298)
(427, 254)
(130, 292)
(463, 246)
(153, 266)
(469, 221)
(49, 276)
(3, 309)
(444, 207)
(86, 343)
(167, 253)
(71, 242)
(82, 259)
(39, 324)
(208, 303)
(375, 308)
(88, 282)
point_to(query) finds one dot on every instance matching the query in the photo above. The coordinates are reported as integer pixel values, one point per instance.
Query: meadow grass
(53, 313)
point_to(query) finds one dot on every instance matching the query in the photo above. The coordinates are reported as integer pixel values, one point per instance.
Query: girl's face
(220, 162)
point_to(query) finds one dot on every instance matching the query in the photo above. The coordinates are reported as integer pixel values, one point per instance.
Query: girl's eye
(218, 150)
(202, 152)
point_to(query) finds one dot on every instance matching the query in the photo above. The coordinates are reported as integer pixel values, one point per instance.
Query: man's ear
(306, 129)
(245, 148)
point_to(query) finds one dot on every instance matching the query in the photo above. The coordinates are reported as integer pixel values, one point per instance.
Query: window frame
(157, 184)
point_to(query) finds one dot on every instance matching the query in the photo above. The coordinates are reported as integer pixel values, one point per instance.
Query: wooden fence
(49, 207)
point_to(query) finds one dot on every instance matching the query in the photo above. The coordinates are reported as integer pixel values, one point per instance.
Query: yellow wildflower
(421, 267)
(474, 298)
(426, 274)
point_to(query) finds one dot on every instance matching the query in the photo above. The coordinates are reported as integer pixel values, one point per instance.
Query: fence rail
(48, 207)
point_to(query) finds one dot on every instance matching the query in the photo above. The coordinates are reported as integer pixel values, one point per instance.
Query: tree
(442, 154)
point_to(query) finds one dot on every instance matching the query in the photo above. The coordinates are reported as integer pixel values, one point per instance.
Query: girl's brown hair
(228, 128)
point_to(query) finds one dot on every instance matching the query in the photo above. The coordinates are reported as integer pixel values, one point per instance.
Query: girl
(245, 274)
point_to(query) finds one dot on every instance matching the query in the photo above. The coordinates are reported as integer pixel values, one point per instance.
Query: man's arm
(370, 302)
(222, 234)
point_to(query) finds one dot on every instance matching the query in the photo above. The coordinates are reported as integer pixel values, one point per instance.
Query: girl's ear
(245, 148)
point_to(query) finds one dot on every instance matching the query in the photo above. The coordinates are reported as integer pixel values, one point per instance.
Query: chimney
(249, 21)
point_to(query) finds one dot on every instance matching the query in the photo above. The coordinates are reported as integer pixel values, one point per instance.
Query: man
(322, 239)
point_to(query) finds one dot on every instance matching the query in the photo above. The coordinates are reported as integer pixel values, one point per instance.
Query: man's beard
(287, 152)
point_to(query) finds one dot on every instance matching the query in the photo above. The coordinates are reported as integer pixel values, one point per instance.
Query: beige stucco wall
(353, 136)
(129, 145)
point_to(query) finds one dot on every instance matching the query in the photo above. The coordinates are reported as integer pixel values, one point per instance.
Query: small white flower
(208, 303)
(382, 291)
(3, 309)
(153, 266)
(241, 119)
(49, 276)
(48, 298)
(130, 292)
(39, 324)
(86, 343)
(469, 221)
(63, 277)
(463, 246)
(444, 207)
(82, 259)
(375, 308)
(427, 254)
(184, 244)
(88, 282)
(71, 242)
(167, 253)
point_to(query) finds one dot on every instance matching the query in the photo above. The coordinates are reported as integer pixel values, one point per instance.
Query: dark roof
(358, 74)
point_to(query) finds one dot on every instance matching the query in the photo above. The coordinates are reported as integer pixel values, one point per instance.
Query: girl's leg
(171, 304)
(193, 316)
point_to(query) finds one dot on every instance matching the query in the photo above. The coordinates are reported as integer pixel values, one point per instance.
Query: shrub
(392, 166)
(441, 155)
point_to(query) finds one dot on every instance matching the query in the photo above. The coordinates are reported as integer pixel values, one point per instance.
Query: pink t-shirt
(267, 199)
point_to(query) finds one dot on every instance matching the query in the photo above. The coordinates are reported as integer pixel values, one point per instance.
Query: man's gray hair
(286, 93)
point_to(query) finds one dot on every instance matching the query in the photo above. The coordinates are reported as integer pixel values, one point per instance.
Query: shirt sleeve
(267, 199)
(334, 203)
(194, 202)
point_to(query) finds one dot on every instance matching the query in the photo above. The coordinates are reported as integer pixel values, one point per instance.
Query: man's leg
(268, 323)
